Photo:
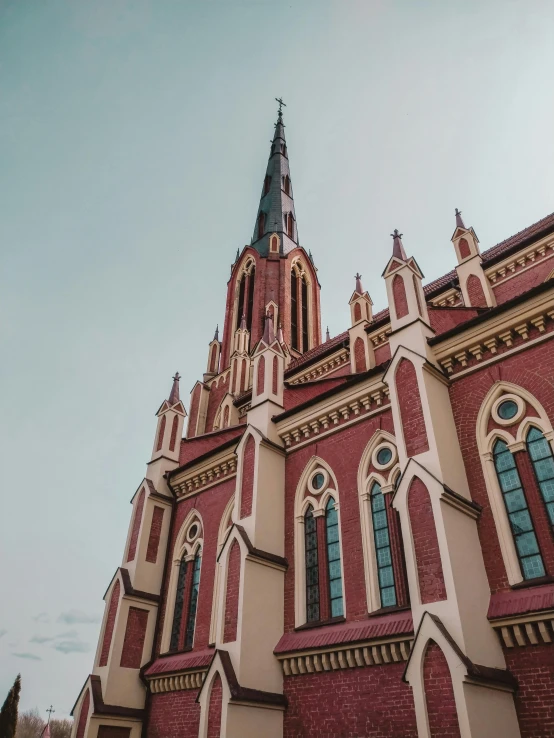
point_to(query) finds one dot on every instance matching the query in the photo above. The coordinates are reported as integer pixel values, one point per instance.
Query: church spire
(276, 211)
(174, 394)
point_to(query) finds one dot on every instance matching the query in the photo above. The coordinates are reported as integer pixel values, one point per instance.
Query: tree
(61, 728)
(8, 713)
(30, 724)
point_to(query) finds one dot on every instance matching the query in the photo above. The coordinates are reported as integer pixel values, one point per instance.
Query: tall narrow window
(261, 224)
(240, 309)
(286, 184)
(304, 314)
(543, 465)
(195, 584)
(383, 553)
(333, 559)
(290, 225)
(312, 571)
(250, 299)
(179, 603)
(518, 512)
(294, 310)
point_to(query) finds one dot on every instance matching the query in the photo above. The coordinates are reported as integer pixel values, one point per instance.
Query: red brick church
(356, 535)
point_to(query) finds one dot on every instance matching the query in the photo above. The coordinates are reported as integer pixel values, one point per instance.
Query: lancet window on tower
(382, 542)
(333, 559)
(290, 225)
(245, 302)
(286, 184)
(299, 306)
(312, 568)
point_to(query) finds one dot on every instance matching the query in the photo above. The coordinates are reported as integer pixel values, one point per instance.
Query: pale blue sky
(133, 141)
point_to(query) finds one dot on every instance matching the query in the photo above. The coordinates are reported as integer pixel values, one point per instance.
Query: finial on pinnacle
(269, 335)
(280, 336)
(359, 288)
(281, 103)
(327, 335)
(459, 221)
(216, 334)
(397, 247)
(243, 322)
(174, 394)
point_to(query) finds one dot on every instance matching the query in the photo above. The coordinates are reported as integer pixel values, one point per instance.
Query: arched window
(333, 559)
(542, 459)
(240, 307)
(250, 298)
(304, 314)
(312, 568)
(381, 538)
(267, 184)
(186, 601)
(261, 224)
(286, 184)
(290, 225)
(284, 149)
(294, 310)
(523, 531)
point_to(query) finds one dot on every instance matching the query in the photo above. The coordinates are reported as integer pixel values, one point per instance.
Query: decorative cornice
(449, 298)
(520, 261)
(528, 629)
(191, 679)
(321, 368)
(216, 469)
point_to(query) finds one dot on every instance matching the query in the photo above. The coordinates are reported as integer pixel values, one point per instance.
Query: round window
(384, 456)
(193, 531)
(318, 481)
(507, 410)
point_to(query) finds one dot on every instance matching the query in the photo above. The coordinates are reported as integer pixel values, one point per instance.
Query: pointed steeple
(327, 335)
(174, 394)
(397, 247)
(459, 221)
(216, 334)
(269, 335)
(359, 288)
(276, 211)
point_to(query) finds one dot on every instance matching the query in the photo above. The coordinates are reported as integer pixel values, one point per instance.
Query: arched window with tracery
(312, 569)
(304, 313)
(333, 560)
(383, 550)
(542, 459)
(294, 310)
(300, 309)
(245, 299)
(517, 509)
(290, 225)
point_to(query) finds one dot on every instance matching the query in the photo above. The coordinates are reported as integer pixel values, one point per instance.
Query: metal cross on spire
(281, 103)
(50, 711)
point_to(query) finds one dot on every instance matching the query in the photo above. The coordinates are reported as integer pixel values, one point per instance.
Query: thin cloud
(42, 617)
(40, 639)
(77, 616)
(3, 632)
(27, 655)
(67, 634)
(71, 646)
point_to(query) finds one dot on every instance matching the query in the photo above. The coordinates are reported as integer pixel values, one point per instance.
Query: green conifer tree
(8, 713)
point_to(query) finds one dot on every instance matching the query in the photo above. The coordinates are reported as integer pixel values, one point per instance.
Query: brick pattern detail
(193, 414)
(439, 694)
(174, 714)
(213, 356)
(110, 623)
(261, 376)
(137, 520)
(112, 731)
(83, 716)
(215, 707)
(275, 375)
(173, 438)
(133, 642)
(161, 433)
(355, 702)
(225, 417)
(232, 595)
(475, 292)
(464, 249)
(357, 312)
(359, 355)
(533, 668)
(155, 533)
(426, 545)
(399, 296)
(247, 483)
(411, 411)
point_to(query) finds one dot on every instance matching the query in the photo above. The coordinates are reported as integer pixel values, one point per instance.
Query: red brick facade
(161, 433)
(247, 485)
(155, 533)
(411, 411)
(232, 595)
(463, 245)
(261, 375)
(110, 623)
(399, 296)
(215, 707)
(174, 714)
(83, 715)
(359, 355)
(135, 633)
(475, 292)
(533, 668)
(426, 545)
(439, 695)
(137, 520)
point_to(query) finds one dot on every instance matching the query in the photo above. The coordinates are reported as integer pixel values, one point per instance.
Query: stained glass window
(179, 601)
(195, 584)
(312, 572)
(333, 559)
(518, 512)
(383, 552)
(543, 464)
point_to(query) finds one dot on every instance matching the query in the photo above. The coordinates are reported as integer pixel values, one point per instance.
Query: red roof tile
(331, 635)
(192, 448)
(519, 601)
(180, 662)
(317, 351)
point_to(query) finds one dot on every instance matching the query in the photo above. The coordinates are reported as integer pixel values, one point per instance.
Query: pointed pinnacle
(216, 334)
(327, 335)
(174, 394)
(459, 221)
(243, 322)
(237, 256)
(359, 288)
(280, 336)
(269, 335)
(397, 247)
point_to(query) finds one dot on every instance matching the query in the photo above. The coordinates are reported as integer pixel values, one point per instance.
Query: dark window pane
(507, 410)
(382, 547)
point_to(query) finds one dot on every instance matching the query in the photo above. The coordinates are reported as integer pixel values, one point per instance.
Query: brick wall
(359, 355)
(530, 369)
(382, 354)
(399, 296)
(426, 545)
(133, 642)
(173, 433)
(232, 595)
(533, 667)
(357, 312)
(155, 533)
(372, 702)
(161, 433)
(411, 411)
(261, 376)
(247, 482)
(475, 291)
(136, 526)
(464, 248)
(174, 714)
(439, 694)
(83, 715)
(193, 413)
(110, 622)
(217, 393)
(214, 709)
(275, 374)
(505, 290)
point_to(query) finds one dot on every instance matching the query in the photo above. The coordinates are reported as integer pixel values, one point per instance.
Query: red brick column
(214, 709)
(323, 571)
